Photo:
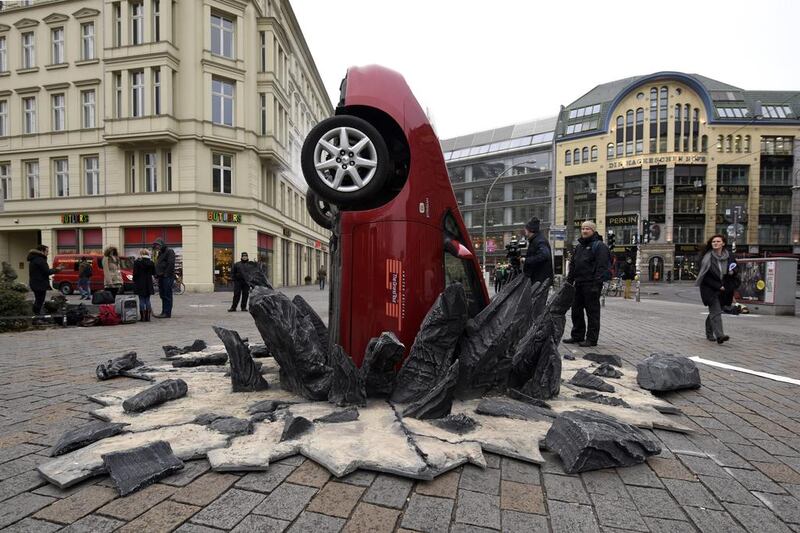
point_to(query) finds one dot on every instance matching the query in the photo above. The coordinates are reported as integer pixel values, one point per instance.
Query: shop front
(223, 257)
(266, 257)
(138, 237)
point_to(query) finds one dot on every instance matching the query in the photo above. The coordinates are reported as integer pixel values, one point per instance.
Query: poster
(757, 282)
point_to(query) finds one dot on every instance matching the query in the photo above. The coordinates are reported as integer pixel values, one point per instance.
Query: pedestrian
(241, 281)
(503, 275)
(718, 279)
(322, 275)
(39, 273)
(112, 275)
(628, 274)
(588, 270)
(497, 271)
(165, 273)
(538, 258)
(143, 272)
(85, 278)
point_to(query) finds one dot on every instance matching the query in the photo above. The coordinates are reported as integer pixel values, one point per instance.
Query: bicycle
(613, 287)
(177, 288)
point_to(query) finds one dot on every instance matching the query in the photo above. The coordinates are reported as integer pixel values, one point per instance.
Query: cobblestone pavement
(739, 471)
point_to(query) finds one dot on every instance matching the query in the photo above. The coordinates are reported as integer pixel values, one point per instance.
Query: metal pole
(735, 227)
(638, 259)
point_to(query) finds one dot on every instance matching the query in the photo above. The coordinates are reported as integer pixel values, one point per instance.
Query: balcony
(133, 131)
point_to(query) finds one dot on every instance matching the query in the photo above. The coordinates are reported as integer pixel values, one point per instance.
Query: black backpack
(607, 275)
(102, 297)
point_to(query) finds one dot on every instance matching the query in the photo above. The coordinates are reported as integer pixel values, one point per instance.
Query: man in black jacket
(39, 273)
(538, 260)
(241, 281)
(165, 272)
(588, 269)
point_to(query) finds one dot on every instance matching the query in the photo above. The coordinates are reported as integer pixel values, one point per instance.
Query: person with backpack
(538, 259)
(112, 275)
(590, 266)
(84, 278)
(143, 272)
(718, 279)
(165, 272)
(39, 273)
(628, 274)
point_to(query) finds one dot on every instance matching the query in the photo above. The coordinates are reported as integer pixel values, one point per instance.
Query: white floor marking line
(773, 377)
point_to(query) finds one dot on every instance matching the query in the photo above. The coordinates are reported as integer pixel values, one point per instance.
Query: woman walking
(143, 271)
(718, 278)
(112, 276)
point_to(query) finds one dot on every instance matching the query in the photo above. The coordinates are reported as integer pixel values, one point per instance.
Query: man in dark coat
(165, 272)
(39, 273)
(588, 270)
(538, 257)
(241, 281)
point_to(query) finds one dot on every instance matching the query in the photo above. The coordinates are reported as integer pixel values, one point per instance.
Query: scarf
(706, 265)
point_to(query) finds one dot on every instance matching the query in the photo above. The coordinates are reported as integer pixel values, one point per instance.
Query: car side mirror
(456, 249)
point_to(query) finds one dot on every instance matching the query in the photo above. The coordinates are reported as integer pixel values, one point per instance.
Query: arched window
(747, 144)
(695, 128)
(662, 118)
(567, 157)
(585, 154)
(653, 119)
(719, 143)
(576, 156)
(704, 146)
(737, 144)
(629, 132)
(620, 135)
(686, 125)
(610, 151)
(639, 132)
(729, 143)
(678, 124)
(594, 153)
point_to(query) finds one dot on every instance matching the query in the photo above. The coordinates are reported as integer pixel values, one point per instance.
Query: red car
(66, 280)
(377, 178)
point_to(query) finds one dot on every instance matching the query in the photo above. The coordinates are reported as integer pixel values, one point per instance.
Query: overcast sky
(477, 64)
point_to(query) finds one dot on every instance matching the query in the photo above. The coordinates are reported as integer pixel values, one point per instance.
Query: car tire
(339, 175)
(321, 211)
(65, 288)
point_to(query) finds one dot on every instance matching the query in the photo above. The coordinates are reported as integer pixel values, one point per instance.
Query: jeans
(165, 286)
(144, 303)
(38, 301)
(240, 290)
(84, 288)
(627, 289)
(587, 298)
(322, 284)
(714, 320)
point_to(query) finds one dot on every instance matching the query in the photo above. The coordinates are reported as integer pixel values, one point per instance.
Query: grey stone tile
(191, 471)
(641, 475)
(20, 506)
(466, 528)
(20, 483)
(755, 480)
(613, 511)
(691, 494)
(565, 488)
(389, 491)
(571, 518)
(656, 503)
(604, 482)
(94, 524)
(492, 460)
(362, 478)
(427, 514)
(702, 466)
(520, 471)
(478, 509)
(286, 501)
(262, 524)
(229, 509)
(486, 480)
(660, 525)
(713, 521)
(728, 490)
(786, 507)
(318, 523)
(31, 525)
(514, 522)
(265, 481)
(188, 527)
(757, 518)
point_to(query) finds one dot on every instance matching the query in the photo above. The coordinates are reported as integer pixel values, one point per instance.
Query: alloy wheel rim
(345, 159)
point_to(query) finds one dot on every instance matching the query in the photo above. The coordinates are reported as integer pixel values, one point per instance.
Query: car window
(462, 271)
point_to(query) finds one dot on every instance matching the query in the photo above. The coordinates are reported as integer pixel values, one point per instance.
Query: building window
(3, 55)
(585, 154)
(137, 22)
(776, 111)
(150, 173)
(568, 157)
(118, 94)
(686, 125)
(5, 180)
(729, 143)
(777, 145)
(137, 93)
(658, 175)
(653, 119)
(3, 118)
(704, 144)
(594, 154)
(132, 171)
(263, 97)
(737, 144)
(263, 63)
(168, 162)
(117, 13)
(29, 111)
(695, 128)
(662, 119)
(222, 173)
(58, 46)
(91, 174)
(222, 102)
(88, 102)
(610, 151)
(61, 172)
(28, 50)
(576, 157)
(732, 174)
(156, 91)
(222, 36)
(678, 127)
(719, 143)
(32, 178)
(156, 20)
(629, 132)
(87, 40)
(747, 144)
(59, 121)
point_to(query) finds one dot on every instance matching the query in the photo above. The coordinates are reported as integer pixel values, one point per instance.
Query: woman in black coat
(718, 279)
(39, 276)
(143, 271)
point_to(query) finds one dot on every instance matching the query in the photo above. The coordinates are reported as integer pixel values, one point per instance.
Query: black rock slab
(206, 418)
(259, 351)
(482, 349)
(438, 402)
(602, 399)
(431, 354)
(343, 415)
(294, 344)
(607, 371)
(134, 469)
(347, 385)
(232, 426)
(588, 381)
(607, 358)
(515, 409)
(170, 389)
(172, 351)
(85, 435)
(588, 440)
(381, 357)
(514, 394)
(197, 346)
(661, 372)
(295, 426)
(255, 277)
(260, 417)
(569, 357)
(117, 366)
(545, 380)
(319, 326)
(459, 423)
(216, 359)
(267, 406)
(245, 374)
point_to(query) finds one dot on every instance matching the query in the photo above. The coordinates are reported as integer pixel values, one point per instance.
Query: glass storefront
(265, 254)
(223, 257)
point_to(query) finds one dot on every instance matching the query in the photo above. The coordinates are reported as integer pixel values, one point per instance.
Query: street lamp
(486, 202)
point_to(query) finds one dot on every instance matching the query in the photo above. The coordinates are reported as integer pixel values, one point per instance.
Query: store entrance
(223, 258)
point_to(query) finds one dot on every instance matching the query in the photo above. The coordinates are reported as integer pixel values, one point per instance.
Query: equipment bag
(102, 297)
(108, 315)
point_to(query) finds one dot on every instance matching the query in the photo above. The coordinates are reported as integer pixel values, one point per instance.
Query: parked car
(377, 178)
(66, 281)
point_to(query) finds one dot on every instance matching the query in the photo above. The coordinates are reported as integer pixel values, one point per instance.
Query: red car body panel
(392, 256)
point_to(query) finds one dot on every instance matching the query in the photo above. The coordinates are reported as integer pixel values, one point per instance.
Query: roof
(531, 133)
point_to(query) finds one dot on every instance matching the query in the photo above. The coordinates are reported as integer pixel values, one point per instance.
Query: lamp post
(486, 202)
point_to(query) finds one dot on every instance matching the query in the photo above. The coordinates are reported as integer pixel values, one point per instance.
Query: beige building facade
(125, 121)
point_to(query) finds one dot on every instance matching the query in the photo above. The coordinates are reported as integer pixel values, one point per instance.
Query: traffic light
(645, 231)
(612, 239)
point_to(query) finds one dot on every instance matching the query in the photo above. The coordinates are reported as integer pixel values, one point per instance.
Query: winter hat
(532, 225)
(589, 224)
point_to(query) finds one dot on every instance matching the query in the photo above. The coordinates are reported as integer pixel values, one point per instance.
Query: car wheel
(345, 160)
(321, 211)
(65, 289)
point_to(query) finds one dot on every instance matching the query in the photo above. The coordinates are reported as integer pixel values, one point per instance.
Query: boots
(145, 315)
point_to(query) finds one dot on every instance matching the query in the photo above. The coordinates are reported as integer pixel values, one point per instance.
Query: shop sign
(576, 223)
(733, 189)
(657, 160)
(75, 218)
(622, 220)
(318, 245)
(657, 189)
(224, 216)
